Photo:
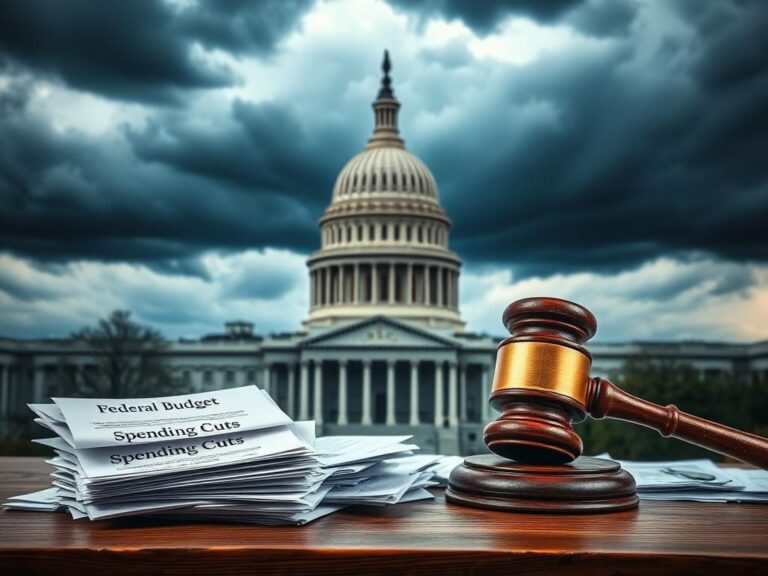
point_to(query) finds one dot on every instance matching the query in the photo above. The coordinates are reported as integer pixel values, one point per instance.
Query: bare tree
(130, 361)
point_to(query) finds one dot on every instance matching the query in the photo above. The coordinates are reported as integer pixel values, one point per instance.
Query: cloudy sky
(172, 157)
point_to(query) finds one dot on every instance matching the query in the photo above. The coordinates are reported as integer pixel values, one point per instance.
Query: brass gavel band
(542, 366)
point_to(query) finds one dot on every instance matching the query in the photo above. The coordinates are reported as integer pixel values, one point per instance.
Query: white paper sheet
(94, 422)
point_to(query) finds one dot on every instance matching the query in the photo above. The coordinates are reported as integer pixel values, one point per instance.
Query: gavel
(542, 386)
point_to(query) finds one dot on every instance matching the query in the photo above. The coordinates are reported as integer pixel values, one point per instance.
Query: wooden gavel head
(541, 383)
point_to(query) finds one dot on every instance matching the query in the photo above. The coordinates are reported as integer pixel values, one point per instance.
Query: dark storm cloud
(138, 50)
(593, 17)
(602, 161)
(67, 195)
(603, 17)
(594, 159)
(264, 149)
(484, 15)
(242, 25)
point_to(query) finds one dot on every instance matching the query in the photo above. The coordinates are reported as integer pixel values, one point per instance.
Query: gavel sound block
(542, 386)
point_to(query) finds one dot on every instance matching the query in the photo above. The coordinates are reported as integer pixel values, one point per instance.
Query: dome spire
(386, 82)
(385, 109)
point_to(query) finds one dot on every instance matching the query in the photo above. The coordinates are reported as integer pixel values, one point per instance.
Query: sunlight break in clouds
(662, 300)
(267, 287)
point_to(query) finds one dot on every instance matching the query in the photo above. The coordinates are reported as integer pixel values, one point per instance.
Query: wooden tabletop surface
(416, 538)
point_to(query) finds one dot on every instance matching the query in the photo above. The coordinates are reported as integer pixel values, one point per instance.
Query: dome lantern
(385, 109)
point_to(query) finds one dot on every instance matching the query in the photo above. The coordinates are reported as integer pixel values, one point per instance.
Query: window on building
(250, 376)
(186, 378)
(384, 231)
(208, 377)
(229, 377)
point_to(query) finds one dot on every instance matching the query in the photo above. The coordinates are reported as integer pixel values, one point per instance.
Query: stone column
(327, 274)
(486, 394)
(374, 283)
(304, 391)
(463, 368)
(356, 287)
(266, 378)
(318, 392)
(290, 399)
(453, 417)
(367, 393)
(196, 374)
(409, 284)
(439, 394)
(439, 286)
(448, 295)
(38, 385)
(455, 289)
(342, 418)
(391, 283)
(342, 296)
(391, 421)
(414, 419)
(427, 288)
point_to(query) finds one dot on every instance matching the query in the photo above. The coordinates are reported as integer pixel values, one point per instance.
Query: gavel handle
(606, 400)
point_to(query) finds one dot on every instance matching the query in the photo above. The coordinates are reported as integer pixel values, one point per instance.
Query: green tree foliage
(721, 398)
(131, 363)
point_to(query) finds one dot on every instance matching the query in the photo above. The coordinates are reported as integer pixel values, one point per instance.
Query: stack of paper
(698, 480)
(443, 467)
(356, 478)
(227, 455)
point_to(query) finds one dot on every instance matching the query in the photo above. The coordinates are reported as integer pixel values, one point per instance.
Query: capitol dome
(384, 236)
(385, 171)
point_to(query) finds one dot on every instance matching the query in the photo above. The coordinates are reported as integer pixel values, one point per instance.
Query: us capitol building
(383, 347)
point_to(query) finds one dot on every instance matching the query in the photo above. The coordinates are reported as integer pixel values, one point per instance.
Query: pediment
(379, 331)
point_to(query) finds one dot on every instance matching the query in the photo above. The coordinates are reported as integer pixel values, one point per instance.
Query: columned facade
(383, 282)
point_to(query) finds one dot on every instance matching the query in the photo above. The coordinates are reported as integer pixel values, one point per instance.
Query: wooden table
(417, 538)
